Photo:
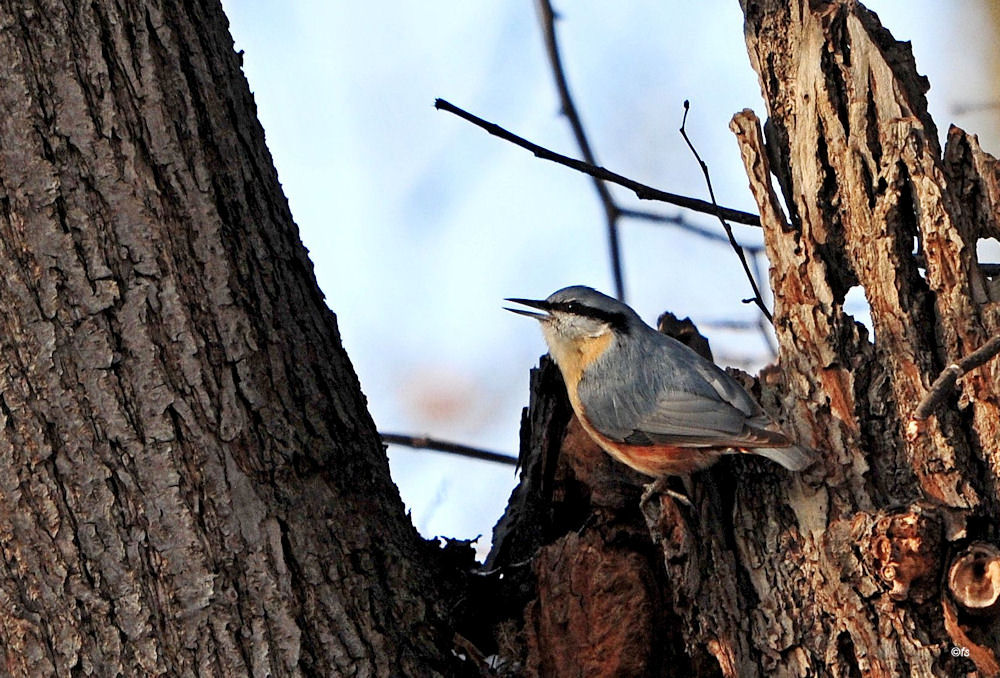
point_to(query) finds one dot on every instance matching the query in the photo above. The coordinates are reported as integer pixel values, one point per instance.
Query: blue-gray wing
(678, 398)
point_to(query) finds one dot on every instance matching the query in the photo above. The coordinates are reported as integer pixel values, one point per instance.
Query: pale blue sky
(420, 224)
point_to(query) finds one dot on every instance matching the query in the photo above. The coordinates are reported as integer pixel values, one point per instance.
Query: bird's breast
(574, 357)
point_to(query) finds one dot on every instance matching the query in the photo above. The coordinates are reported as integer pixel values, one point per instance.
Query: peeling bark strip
(190, 483)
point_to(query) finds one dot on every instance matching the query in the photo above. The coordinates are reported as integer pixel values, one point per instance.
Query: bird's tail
(793, 457)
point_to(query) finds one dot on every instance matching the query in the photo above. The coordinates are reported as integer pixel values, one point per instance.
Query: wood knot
(974, 579)
(905, 551)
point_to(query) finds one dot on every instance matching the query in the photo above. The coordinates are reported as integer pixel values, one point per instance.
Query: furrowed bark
(191, 484)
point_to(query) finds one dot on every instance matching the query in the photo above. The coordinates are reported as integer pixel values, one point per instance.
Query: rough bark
(581, 592)
(842, 570)
(190, 483)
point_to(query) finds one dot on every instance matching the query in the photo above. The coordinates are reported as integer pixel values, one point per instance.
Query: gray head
(579, 314)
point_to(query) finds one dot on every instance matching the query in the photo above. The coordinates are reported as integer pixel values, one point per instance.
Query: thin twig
(642, 191)
(758, 325)
(425, 443)
(725, 324)
(945, 383)
(683, 224)
(718, 212)
(964, 109)
(547, 19)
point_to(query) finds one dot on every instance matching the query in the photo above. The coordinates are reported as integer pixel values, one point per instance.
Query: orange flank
(653, 460)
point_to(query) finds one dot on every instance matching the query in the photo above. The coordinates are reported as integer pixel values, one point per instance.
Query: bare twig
(729, 229)
(727, 324)
(965, 108)
(945, 382)
(611, 212)
(683, 224)
(642, 191)
(424, 443)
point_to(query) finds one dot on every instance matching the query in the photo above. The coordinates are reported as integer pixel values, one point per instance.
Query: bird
(645, 398)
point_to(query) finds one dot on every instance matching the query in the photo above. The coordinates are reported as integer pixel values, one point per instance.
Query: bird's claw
(659, 486)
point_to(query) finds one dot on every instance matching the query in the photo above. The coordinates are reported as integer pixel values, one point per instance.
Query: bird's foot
(659, 486)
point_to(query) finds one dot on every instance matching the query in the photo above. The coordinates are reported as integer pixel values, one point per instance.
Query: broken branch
(945, 382)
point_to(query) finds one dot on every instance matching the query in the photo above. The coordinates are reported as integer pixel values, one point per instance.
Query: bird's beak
(533, 303)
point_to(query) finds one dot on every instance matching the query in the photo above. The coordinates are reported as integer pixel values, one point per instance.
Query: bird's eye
(572, 307)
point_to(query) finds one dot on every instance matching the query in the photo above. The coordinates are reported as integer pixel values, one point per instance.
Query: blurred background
(419, 224)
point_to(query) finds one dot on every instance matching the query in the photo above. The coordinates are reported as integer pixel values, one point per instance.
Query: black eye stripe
(617, 320)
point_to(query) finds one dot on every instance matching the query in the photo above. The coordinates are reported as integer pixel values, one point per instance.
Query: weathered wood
(864, 177)
(839, 570)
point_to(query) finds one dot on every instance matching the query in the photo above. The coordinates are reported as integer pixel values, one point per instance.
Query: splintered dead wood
(867, 189)
(858, 159)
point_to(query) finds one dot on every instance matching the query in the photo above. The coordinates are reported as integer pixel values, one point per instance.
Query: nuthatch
(648, 400)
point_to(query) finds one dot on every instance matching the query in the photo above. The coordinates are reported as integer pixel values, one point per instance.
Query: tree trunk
(190, 484)
(871, 562)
